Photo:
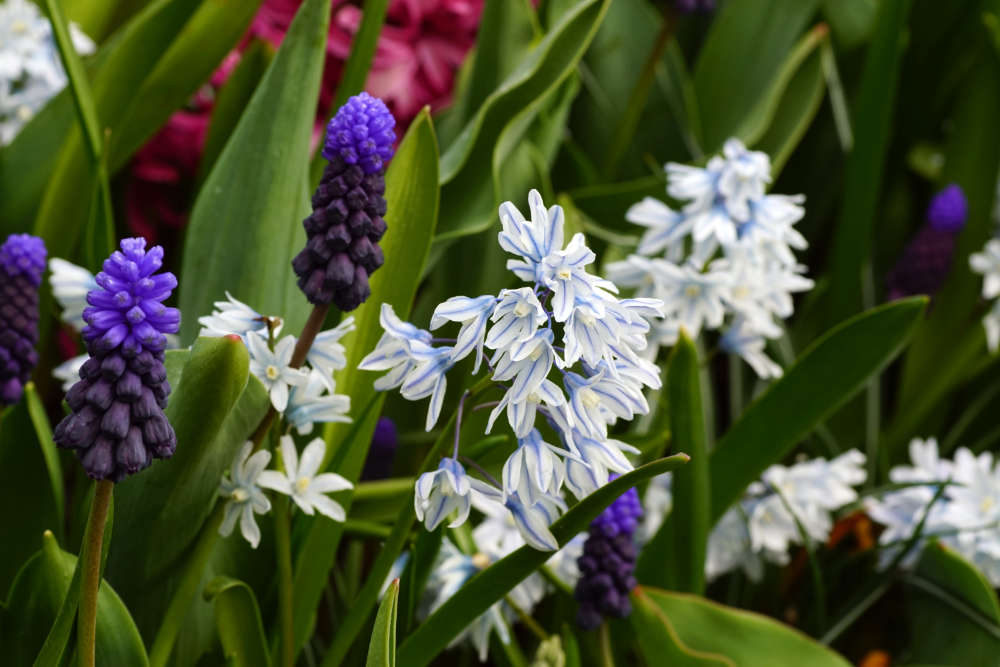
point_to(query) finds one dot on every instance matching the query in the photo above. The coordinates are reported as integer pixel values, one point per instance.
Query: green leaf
(953, 612)
(490, 585)
(382, 648)
(675, 557)
(246, 223)
(829, 372)
(237, 618)
(741, 60)
(43, 432)
(850, 20)
(411, 215)
(681, 629)
(469, 199)
(35, 600)
(853, 233)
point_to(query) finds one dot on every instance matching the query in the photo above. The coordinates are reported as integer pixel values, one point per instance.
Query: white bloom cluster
(725, 260)
(30, 69)
(964, 516)
(304, 396)
(987, 263)
(244, 488)
(765, 523)
(597, 362)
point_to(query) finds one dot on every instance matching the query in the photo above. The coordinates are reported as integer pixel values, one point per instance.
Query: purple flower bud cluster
(691, 6)
(346, 224)
(608, 563)
(117, 426)
(385, 441)
(22, 262)
(927, 258)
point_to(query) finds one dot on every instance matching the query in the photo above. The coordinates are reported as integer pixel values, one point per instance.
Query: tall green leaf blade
(246, 223)
(43, 432)
(708, 633)
(675, 557)
(828, 373)
(854, 231)
(490, 585)
(382, 648)
(742, 55)
(237, 618)
(412, 197)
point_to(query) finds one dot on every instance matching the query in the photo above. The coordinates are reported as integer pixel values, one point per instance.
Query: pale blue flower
(527, 363)
(535, 470)
(70, 284)
(327, 355)
(400, 349)
(308, 404)
(472, 314)
(521, 415)
(235, 317)
(441, 493)
(533, 240)
(243, 496)
(516, 318)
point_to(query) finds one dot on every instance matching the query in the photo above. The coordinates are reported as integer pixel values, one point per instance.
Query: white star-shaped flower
(300, 481)
(243, 495)
(272, 368)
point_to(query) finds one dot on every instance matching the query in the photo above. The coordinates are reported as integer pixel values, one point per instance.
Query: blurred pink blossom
(420, 48)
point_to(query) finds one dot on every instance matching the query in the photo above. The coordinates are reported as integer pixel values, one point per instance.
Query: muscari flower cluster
(346, 223)
(596, 361)
(22, 262)
(117, 426)
(987, 263)
(927, 258)
(763, 526)
(31, 72)
(608, 563)
(964, 514)
(725, 260)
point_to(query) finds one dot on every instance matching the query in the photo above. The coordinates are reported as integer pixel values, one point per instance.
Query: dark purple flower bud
(385, 440)
(22, 262)
(117, 426)
(927, 258)
(346, 223)
(608, 562)
(691, 6)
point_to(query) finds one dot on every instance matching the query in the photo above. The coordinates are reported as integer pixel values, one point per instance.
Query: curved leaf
(828, 373)
(246, 223)
(490, 585)
(237, 619)
(696, 631)
(382, 648)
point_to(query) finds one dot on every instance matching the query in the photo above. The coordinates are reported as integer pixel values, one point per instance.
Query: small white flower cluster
(30, 69)
(725, 259)
(495, 537)
(987, 263)
(601, 337)
(763, 526)
(304, 396)
(965, 515)
(244, 488)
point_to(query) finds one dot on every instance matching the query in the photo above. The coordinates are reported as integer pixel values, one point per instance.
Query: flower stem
(529, 622)
(90, 584)
(283, 542)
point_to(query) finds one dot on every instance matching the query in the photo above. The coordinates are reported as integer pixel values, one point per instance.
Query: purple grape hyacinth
(22, 263)
(346, 224)
(117, 426)
(385, 441)
(926, 260)
(608, 563)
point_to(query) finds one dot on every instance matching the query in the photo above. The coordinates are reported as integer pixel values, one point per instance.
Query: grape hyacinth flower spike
(346, 224)
(22, 262)
(117, 426)
(608, 562)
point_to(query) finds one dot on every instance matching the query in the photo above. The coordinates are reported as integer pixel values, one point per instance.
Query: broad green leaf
(237, 619)
(952, 610)
(382, 648)
(696, 631)
(23, 475)
(872, 120)
(851, 21)
(607, 203)
(490, 585)
(742, 58)
(211, 32)
(468, 204)
(62, 212)
(43, 432)
(232, 101)
(37, 596)
(826, 375)
(675, 557)
(411, 215)
(246, 223)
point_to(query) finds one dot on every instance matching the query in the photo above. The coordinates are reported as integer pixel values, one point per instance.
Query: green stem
(637, 100)
(283, 542)
(180, 603)
(87, 618)
(528, 621)
(607, 655)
